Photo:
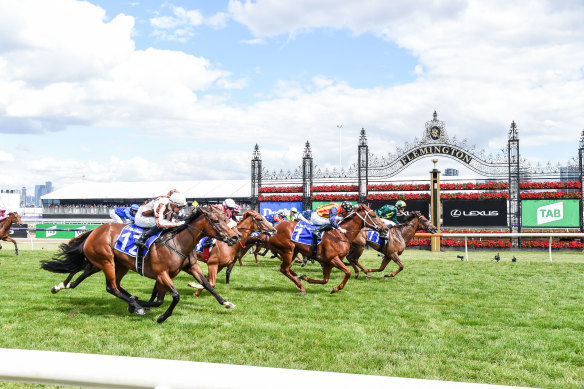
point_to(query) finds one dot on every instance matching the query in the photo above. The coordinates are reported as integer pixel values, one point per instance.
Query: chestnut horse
(162, 263)
(399, 237)
(331, 250)
(223, 255)
(5, 228)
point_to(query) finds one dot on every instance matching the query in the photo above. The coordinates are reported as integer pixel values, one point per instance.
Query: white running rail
(106, 371)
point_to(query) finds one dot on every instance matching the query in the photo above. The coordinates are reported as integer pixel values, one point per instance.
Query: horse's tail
(70, 257)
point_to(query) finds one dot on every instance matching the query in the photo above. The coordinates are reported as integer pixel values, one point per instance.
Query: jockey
(325, 217)
(2, 214)
(230, 209)
(305, 216)
(275, 218)
(124, 214)
(157, 215)
(388, 213)
(292, 215)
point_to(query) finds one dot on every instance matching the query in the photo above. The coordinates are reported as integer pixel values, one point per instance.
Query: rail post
(435, 204)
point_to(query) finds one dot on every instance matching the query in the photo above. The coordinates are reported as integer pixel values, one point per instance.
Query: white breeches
(319, 220)
(389, 223)
(115, 217)
(144, 221)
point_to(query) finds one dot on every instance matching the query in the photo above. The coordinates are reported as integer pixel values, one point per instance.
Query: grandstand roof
(139, 190)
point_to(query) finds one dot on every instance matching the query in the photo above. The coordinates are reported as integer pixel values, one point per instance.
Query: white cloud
(6, 156)
(481, 65)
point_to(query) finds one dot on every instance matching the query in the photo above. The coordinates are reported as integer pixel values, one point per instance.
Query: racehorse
(5, 229)
(332, 249)
(162, 263)
(223, 255)
(399, 237)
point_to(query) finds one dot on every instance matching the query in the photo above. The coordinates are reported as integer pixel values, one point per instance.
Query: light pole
(339, 126)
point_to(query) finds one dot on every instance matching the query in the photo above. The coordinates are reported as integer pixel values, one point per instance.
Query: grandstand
(91, 200)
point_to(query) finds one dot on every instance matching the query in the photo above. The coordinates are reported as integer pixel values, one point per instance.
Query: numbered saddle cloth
(199, 247)
(126, 241)
(373, 237)
(303, 233)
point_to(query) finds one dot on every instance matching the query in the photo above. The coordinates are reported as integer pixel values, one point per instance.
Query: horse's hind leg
(87, 272)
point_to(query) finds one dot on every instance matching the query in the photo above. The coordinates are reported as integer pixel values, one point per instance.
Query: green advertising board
(316, 204)
(550, 213)
(52, 231)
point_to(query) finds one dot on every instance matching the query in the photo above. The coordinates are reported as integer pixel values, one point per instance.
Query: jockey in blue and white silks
(124, 214)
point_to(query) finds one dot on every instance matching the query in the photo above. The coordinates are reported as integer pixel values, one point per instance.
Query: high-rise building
(23, 197)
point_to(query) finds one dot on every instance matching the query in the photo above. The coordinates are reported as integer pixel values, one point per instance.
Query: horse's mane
(411, 216)
(188, 220)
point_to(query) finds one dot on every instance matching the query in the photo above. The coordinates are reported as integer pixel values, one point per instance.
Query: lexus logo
(458, 213)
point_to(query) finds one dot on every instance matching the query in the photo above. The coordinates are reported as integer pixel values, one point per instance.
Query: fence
(106, 371)
(504, 235)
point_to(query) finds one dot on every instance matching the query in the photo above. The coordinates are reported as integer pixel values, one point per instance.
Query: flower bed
(550, 195)
(444, 186)
(474, 196)
(398, 187)
(555, 245)
(334, 197)
(551, 185)
(399, 196)
(279, 198)
(335, 188)
(280, 189)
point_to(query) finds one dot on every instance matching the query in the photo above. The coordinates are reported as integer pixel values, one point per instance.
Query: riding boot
(315, 237)
(141, 242)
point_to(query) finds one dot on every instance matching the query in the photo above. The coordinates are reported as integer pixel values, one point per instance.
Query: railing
(502, 235)
(107, 371)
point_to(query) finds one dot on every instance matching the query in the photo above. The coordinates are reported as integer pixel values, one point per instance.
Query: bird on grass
(497, 257)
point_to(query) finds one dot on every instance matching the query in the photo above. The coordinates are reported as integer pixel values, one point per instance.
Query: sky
(108, 91)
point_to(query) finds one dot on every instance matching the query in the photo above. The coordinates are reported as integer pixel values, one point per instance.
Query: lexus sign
(474, 213)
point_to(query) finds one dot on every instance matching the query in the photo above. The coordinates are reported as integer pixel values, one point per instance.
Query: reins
(367, 221)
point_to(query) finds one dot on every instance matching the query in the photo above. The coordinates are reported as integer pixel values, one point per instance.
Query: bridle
(253, 227)
(367, 221)
(219, 236)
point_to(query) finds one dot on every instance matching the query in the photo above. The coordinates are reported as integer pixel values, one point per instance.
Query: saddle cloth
(373, 237)
(199, 246)
(303, 233)
(127, 239)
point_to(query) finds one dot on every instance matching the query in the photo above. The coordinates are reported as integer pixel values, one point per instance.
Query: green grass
(481, 321)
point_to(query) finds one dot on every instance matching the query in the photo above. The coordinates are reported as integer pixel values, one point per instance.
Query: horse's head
(15, 217)
(217, 226)
(369, 219)
(258, 223)
(423, 223)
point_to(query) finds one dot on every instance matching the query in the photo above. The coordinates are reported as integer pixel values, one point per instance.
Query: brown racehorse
(5, 229)
(223, 255)
(332, 249)
(399, 237)
(162, 263)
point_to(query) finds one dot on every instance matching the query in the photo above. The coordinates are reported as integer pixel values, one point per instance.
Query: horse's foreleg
(197, 273)
(397, 260)
(166, 284)
(9, 239)
(285, 269)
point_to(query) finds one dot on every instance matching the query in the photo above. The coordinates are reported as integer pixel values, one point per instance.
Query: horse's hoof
(389, 275)
(131, 309)
(228, 305)
(160, 319)
(333, 290)
(368, 276)
(54, 289)
(303, 292)
(301, 277)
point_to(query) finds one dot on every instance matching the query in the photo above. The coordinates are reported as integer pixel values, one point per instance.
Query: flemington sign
(440, 149)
